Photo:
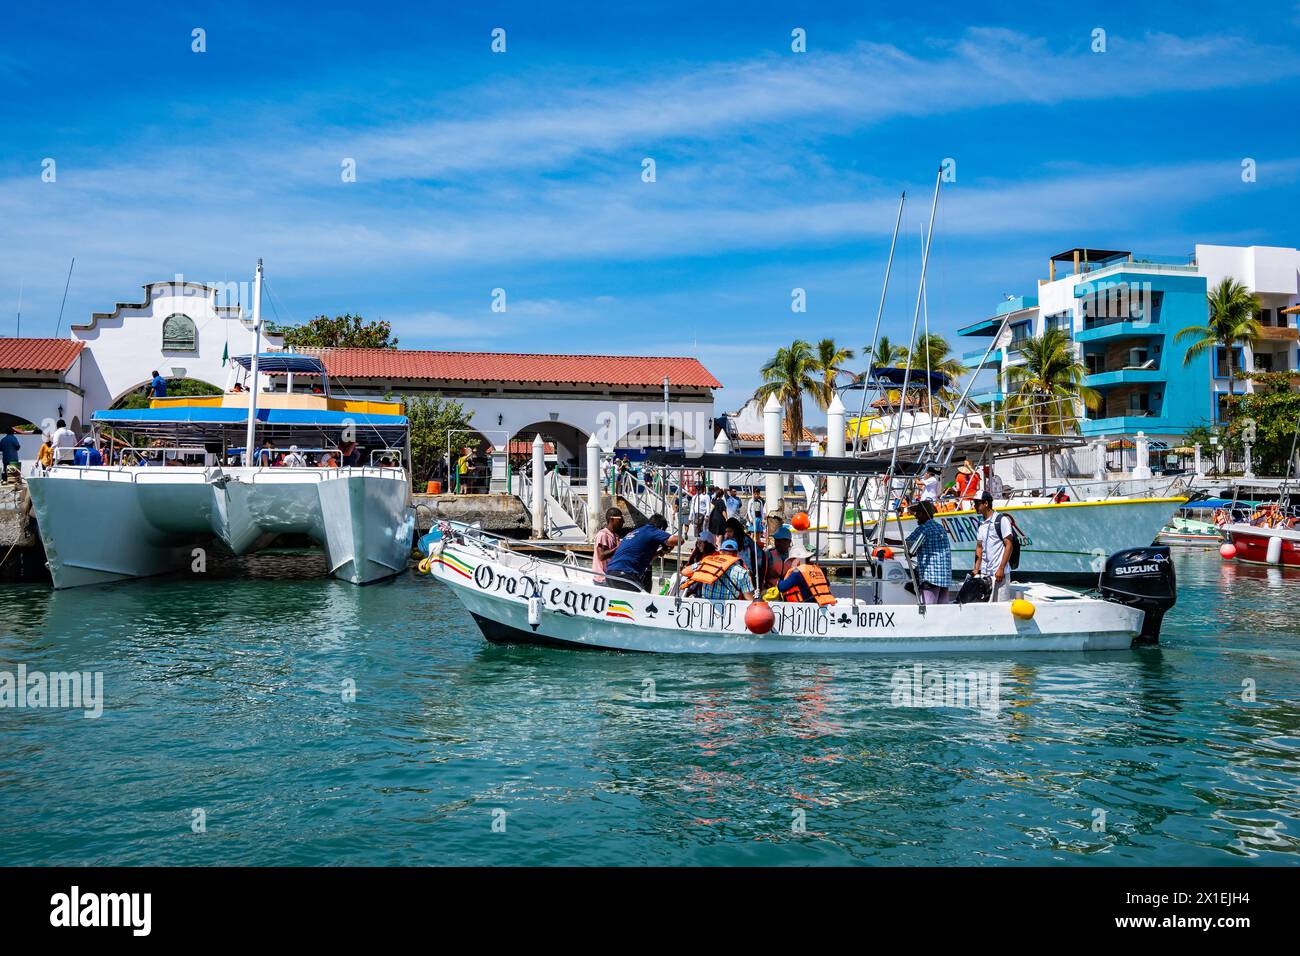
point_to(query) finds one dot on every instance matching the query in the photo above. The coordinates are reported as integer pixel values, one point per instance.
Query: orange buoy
(799, 521)
(885, 553)
(759, 617)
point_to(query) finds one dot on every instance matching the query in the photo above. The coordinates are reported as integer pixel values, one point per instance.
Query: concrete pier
(22, 557)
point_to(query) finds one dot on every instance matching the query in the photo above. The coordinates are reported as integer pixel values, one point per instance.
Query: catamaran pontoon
(187, 470)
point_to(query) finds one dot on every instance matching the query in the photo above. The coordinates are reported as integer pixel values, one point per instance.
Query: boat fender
(1274, 553)
(1227, 550)
(1022, 610)
(534, 610)
(759, 617)
(424, 566)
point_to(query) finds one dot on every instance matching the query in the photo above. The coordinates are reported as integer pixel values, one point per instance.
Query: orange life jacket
(710, 569)
(815, 578)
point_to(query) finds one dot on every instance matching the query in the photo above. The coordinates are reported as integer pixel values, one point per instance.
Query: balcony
(1125, 376)
(988, 398)
(1120, 424)
(1119, 329)
(1278, 333)
(969, 359)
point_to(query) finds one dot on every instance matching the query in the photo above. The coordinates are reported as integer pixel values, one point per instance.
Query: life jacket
(711, 569)
(815, 578)
(778, 566)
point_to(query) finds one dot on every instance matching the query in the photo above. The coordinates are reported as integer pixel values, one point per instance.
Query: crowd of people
(741, 553)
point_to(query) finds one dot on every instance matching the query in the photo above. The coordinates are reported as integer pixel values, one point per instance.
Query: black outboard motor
(1142, 578)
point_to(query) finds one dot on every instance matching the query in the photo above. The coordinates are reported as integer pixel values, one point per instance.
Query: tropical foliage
(1231, 322)
(790, 374)
(432, 419)
(343, 331)
(1045, 388)
(1275, 411)
(830, 363)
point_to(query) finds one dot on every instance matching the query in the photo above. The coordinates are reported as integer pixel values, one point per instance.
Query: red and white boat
(1263, 545)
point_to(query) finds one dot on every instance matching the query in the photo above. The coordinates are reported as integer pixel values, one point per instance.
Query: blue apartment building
(1122, 313)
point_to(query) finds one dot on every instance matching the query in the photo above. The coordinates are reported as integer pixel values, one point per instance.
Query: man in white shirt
(62, 438)
(732, 503)
(755, 513)
(993, 483)
(930, 485)
(993, 540)
(699, 510)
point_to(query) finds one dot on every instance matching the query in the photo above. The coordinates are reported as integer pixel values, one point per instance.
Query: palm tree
(932, 353)
(1232, 309)
(830, 362)
(885, 353)
(1047, 385)
(787, 376)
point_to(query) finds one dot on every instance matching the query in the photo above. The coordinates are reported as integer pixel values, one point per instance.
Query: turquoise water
(226, 695)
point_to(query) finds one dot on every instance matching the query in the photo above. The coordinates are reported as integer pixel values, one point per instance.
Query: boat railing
(565, 560)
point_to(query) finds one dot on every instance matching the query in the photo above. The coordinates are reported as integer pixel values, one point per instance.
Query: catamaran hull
(579, 615)
(101, 525)
(1062, 542)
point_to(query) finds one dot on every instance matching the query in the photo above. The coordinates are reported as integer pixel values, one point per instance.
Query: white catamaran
(189, 470)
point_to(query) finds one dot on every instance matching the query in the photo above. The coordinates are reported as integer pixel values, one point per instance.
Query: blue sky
(522, 170)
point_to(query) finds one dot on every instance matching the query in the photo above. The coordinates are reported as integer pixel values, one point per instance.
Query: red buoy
(1227, 550)
(799, 521)
(759, 617)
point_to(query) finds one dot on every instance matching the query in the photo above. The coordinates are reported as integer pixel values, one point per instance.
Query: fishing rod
(875, 335)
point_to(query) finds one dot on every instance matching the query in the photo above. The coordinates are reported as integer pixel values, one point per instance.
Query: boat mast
(250, 433)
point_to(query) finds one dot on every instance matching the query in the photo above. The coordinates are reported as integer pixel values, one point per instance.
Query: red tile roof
(514, 367)
(39, 355)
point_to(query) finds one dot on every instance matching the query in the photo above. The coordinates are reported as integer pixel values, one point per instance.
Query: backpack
(1014, 560)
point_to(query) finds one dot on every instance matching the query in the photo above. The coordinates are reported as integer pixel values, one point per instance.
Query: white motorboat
(521, 598)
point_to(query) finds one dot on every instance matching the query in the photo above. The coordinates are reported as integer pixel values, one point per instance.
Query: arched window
(179, 333)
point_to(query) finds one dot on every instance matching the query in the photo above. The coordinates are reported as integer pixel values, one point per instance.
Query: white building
(186, 330)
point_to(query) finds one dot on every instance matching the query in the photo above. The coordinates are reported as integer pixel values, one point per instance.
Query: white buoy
(1274, 553)
(534, 610)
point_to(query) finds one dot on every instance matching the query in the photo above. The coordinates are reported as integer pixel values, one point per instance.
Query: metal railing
(565, 563)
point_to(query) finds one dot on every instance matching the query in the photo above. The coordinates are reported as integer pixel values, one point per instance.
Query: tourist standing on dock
(732, 502)
(717, 521)
(755, 514)
(699, 509)
(10, 446)
(606, 543)
(993, 542)
(931, 553)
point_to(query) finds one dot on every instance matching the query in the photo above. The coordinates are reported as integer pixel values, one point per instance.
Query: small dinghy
(521, 598)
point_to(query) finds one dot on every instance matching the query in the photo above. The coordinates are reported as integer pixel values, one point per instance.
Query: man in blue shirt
(631, 562)
(931, 553)
(158, 387)
(87, 454)
(9, 448)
